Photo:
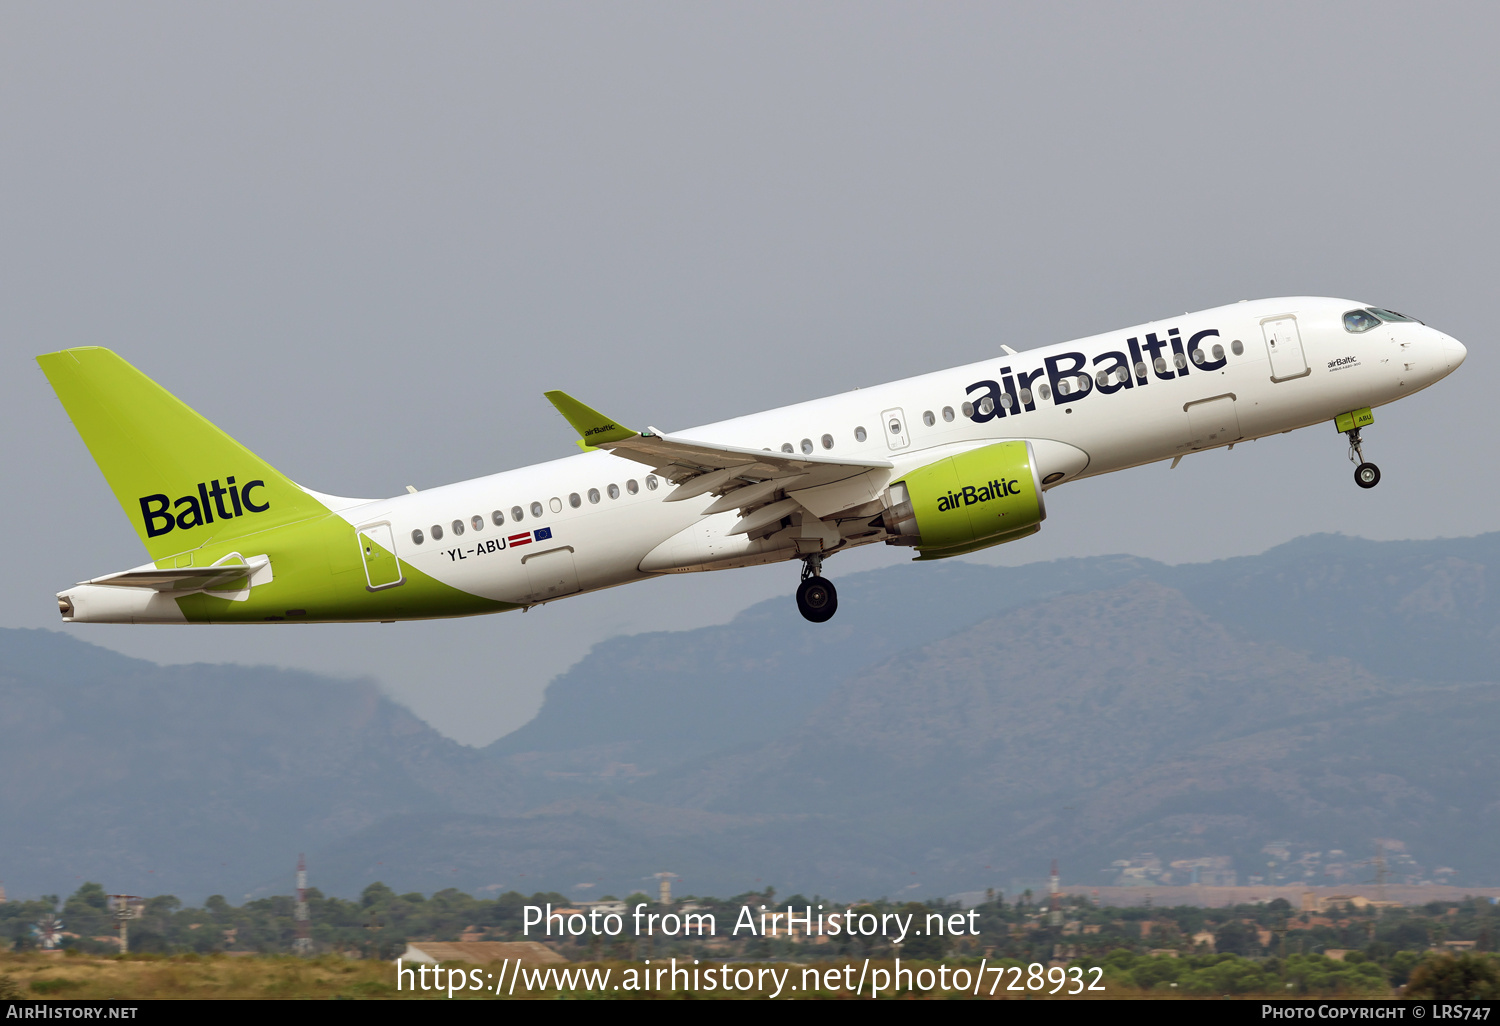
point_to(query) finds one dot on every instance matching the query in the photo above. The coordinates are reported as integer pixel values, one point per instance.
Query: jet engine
(966, 502)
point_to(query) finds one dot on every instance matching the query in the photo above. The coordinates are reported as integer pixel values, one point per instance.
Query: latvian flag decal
(526, 537)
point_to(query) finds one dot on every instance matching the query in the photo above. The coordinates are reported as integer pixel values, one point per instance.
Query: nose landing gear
(817, 598)
(1366, 475)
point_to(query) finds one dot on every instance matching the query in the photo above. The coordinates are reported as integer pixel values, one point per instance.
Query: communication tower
(303, 944)
(1054, 895)
(125, 907)
(666, 886)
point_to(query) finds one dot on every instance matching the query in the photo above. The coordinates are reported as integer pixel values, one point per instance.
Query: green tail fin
(181, 481)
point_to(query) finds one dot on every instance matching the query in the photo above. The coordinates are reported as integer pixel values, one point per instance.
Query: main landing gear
(817, 598)
(1366, 475)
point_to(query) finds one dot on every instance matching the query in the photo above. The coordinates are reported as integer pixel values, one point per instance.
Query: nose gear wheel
(1366, 475)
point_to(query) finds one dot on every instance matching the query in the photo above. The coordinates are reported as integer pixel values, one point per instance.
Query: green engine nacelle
(970, 501)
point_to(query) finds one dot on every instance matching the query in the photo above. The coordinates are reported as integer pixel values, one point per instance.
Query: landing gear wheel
(1367, 475)
(817, 599)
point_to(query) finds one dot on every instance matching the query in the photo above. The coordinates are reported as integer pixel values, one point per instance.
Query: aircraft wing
(745, 479)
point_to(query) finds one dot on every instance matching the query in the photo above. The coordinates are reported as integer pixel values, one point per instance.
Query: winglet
(593, 426)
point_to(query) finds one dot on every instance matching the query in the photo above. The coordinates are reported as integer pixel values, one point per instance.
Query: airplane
(945, 463)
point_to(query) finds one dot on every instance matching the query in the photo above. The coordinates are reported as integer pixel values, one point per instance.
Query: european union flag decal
(542, 533)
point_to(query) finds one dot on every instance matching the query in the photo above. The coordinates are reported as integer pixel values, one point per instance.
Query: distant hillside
(201, 778)
(955, 727)
(637, 704)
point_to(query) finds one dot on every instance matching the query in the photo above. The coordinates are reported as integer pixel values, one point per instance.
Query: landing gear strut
(1366, 475)
(817, 598)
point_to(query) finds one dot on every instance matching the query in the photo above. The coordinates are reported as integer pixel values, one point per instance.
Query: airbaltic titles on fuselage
(1074, 375)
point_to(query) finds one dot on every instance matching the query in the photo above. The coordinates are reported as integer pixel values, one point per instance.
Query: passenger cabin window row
(518, 514)
(860, 434)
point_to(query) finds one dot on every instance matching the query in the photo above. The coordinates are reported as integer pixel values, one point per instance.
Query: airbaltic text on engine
(984, 493)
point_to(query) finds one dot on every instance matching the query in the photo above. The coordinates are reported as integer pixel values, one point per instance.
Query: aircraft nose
(1455, 352)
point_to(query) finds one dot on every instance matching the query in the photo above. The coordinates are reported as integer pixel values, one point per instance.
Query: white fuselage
(1176, 407)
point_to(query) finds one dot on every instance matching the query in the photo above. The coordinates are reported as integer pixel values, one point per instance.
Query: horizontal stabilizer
(223, 577)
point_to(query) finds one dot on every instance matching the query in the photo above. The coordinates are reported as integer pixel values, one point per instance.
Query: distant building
(479, 952)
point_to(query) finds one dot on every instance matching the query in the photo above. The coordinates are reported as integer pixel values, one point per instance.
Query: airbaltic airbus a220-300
(946, 463)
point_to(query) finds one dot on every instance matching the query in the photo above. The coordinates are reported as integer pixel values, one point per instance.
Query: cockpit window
(1360, 320)
(1389, 315)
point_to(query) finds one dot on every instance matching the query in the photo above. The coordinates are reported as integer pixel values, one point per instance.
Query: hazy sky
(364, 238)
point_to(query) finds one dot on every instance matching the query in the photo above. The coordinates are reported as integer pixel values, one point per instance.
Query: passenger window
(458, 528)
(787, 447)
(859, 434)
(497, 517)
(1064, 386)
(575, 501)
(651, 482)
(555, 503)
(986, 405)
(437, 532)
(828, 441)
(516, 515)
(807, 446)
(968, 409)
(1140, 368)
(593, 496)
(1044, 390)
(1006, 401)
(477, 523)
(948, 414)
(1025, 397)
(1218, 352)
(1237, 347)
(1179, 361)
(536, 509)
(1101, 379)
(614, 491)
(1160, 365)
(928, 418)
(416, 537)
(1198, 357)
(632, 487)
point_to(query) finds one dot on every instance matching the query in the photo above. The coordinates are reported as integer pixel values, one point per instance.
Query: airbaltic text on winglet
(197, 510)
(600, 430)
